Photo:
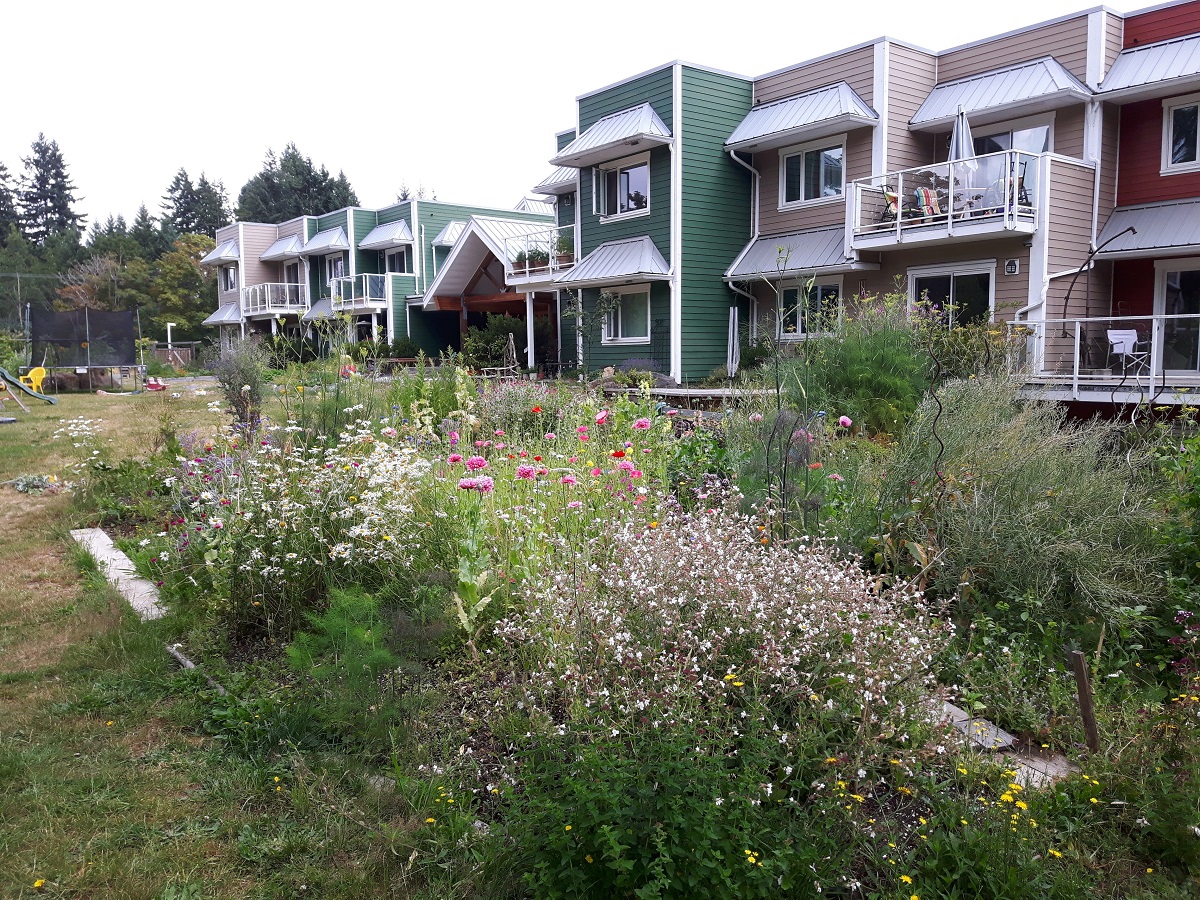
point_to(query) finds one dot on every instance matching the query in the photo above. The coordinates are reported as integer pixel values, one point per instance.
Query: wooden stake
(1086, 708)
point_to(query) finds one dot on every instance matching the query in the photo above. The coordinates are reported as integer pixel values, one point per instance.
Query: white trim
(350, 240)
(799, 285)
(879, 102)
(786, 153)
(1039, 252)
(1169, 105)
(1096, 33)
(1161, 268)
(241, 254)
(966, 267)
(419, 263)
(606, 338)
(676, 262)
(1024, 123)
(616, 165)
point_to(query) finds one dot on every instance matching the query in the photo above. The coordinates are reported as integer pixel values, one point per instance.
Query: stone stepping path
(1033, 769)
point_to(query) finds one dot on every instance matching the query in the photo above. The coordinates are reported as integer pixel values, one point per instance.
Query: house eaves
(814, 114)
(614, 136)
(1166, 67)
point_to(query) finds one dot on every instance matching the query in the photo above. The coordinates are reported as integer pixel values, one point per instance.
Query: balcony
(1111, 358)
(274, 299)
(539, 256)
(994, 195)
(361, 293)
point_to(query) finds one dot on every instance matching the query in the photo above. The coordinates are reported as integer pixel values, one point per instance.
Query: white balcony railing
(274, 298)
(996, 192)
(1111, 349)
(361, 292)
(540, 254)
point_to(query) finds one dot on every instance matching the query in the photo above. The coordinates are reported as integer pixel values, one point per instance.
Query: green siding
(395, 213)
(657, 348)
(715, 216)
(364, 260)
(657, 225)
(653, 88)
(561, 140)
(434, 331)
(331, 220)
(564, 212)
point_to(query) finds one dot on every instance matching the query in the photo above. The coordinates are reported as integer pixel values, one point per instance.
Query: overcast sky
(461, 97)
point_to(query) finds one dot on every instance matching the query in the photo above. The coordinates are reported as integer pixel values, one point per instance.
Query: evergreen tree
(9, 216)
(46, 194)
(179, 204)
(153, 241)
(212, 207)
(290, 185)
(113, 239)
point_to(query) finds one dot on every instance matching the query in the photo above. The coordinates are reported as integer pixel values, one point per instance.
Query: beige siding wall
(257, 238)
(1011, 291)
(773, 220)
(1066, 41)
(911, 76)
(228, 233)
(1068, 131)
(1114, 39)
(1068, 230)
(855, 67)
(291, 227)
(1108, 162)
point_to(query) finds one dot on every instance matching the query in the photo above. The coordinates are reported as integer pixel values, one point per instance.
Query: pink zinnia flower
(568, 479)
(476, 462)
(596, 473)
(636, 473)
(845, 421)
(836, 477)
(499, 433)
(582, 429)
(454, 458)
(467, 484)
(641, 424)
(524, 471)
(550, 435)
(583, 437)
(625, 466)
(602, 417)
(479, 443)
(484, 484)
(574, 504)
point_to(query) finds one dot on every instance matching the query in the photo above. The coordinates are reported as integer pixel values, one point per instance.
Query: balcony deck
(536, 259)
(273, 299)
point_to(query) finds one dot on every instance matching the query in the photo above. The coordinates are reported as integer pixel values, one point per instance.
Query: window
(291, 273)
(229, 278)
(397, 261)
(809, 309)
(959, 295)
(623, 188)
(1181, 146)
(335, 267)
(1027, 136)
(1177, 296)
(812, 172)
(628, 322)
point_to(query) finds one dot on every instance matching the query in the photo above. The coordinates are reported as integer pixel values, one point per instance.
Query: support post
(1086, 708)
(529, 355)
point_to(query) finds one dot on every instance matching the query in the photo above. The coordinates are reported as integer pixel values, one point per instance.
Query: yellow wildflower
(907, 879)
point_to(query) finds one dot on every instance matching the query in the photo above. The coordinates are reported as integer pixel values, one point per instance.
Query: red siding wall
(1162, 24)
(1133, 287)
(1141, 159)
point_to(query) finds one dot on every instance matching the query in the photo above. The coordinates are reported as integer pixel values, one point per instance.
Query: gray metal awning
(228, 314)
(448, 235)
(560, 181)
(384, 237)
(802, 252)
(1030, 87)
(284, 248)
(329, 241)
(628, 131)
(807, 116)
(224, 252)
(1167, 66)
(618, 262)
(1167, 228)
(322, 309)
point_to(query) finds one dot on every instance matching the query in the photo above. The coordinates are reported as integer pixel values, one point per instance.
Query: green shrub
(241, 371)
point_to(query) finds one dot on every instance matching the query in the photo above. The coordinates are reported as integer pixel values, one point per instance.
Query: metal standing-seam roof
(617, 262)
(322, 309)
(327, 242)
(284, 248)
(224, 252)
(228, 314)
(448, 235)
(615, 136)
(782, 255)
(478, 237)
(813, 114)
(1023, 89)
(1164, 228)
(560, 181)
(1144, 69)
(383, 237)
(537, 207)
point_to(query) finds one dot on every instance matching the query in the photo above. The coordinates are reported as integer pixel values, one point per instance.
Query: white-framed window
(954, 294)
(291, 273)
(1181, 141)
(1033, 135)
(229, 278)
(622, 188)
(628, 322)
(335, 267)
(813, 172)
(1177, 296)
(398, 260)
(810, 308)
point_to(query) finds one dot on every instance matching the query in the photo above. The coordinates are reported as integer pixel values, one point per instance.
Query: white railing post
(899, 203)
(1156, 347)
(949, 199)
(1075, 367)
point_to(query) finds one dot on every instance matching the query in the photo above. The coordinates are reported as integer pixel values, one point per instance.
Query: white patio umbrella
(733, 357)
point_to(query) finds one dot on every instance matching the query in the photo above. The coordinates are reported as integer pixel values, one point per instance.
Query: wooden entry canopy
(509, 302)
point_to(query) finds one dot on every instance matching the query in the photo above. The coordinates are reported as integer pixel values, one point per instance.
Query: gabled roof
(618, 262)
(1167, 228)
(614, 136)
(228, 314)
(448, 235)
(1143, 70)
(327, 242)
(810, 115)
(284, 248)
(537, 207)
(1024, 89)
(479, 237)
(801, 252)
(383, 237)
(322, 309)
(560, 181)
(224, 252)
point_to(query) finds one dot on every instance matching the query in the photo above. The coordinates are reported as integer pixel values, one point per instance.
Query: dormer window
(1181, 150)
(229, 278)
(622, 188)
(812, 173)
(398, 260)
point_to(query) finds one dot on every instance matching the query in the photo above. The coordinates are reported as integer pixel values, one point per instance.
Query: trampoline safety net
(83, 337)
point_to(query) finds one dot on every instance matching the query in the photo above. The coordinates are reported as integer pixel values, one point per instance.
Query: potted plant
(519, 262)
(564, 250)
(538, 260)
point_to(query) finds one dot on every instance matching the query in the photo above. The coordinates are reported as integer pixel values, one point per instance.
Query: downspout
(754, 198)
